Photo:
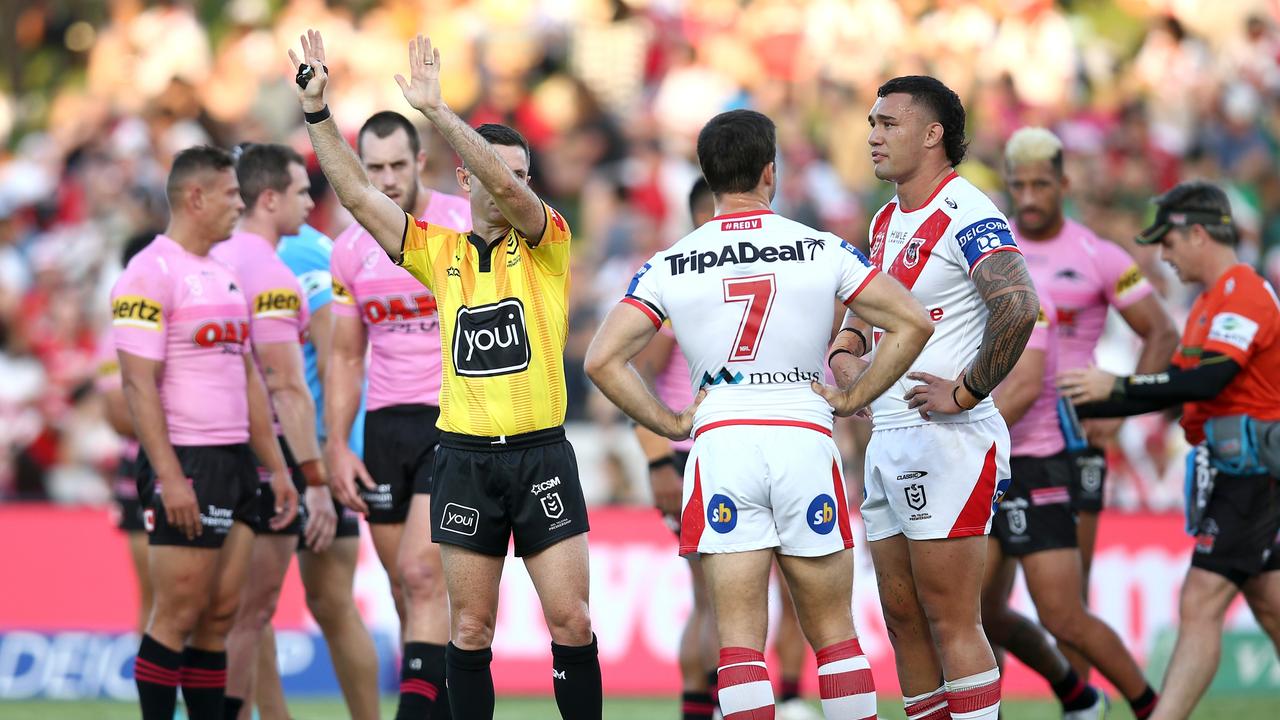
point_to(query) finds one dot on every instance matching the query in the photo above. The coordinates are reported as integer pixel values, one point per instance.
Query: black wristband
(980, 395)
(866, 346)
(955, 398)
(836, 352)
(316, 117)
(662, 462)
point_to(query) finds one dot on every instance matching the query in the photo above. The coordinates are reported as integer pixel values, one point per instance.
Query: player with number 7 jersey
(751, 297)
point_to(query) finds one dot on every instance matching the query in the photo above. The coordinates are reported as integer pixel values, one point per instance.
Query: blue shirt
(307, 255)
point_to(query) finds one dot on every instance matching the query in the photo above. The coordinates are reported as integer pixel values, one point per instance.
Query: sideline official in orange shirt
(1226, 375)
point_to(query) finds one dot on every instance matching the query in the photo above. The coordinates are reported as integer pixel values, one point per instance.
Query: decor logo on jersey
(741, 252)
(491, 339)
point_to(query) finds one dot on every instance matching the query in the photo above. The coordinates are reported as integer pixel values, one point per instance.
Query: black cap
(1189, 203)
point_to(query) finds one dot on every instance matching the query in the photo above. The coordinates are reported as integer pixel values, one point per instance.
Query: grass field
(540, 709)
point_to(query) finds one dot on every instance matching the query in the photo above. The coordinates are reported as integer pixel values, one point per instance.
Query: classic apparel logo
(491, 339)
(460, 519)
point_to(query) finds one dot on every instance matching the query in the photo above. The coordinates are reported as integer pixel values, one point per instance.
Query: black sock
(696, 706)
(1144, 704)
(422, 683)
(231, 707)
(789, 689)
(470, 682)
(575, 673)
(156, 670)
(204, 682)
(713, 686)
(1073, 693)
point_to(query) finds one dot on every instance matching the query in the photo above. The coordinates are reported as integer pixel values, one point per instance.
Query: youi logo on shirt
(491, 339)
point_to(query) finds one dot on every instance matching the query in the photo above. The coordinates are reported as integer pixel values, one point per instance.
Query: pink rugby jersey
(1083, 274)
(1038, 434)
(672, 384)
(189, 312)
(398, 312)
(277, 312)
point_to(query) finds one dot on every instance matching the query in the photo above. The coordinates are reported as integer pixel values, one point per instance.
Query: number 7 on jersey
(756, 293)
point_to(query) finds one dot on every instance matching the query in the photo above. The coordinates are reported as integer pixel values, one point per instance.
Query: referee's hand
(286, 499)
(422, 89)
(312, 96)
(180, 508)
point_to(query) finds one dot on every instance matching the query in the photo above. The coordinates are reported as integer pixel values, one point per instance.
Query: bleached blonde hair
(1033, 144)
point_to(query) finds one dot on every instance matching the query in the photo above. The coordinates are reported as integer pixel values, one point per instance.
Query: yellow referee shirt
(504, 319)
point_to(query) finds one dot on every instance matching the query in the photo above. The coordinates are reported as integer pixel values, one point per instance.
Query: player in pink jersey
(938, 457)
(181, 324)
(750, 295)
(1036, 526)
(276, 191)
(1085, 276)
(380, 306)
(124, 484)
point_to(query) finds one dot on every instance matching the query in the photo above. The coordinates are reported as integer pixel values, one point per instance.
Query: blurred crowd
(96, 97)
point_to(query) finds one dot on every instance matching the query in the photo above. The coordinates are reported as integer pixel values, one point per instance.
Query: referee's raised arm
(515, 200)
(376, 212)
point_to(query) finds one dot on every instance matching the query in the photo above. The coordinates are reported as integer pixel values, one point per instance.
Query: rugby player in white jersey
(749, 295)
(939, 451)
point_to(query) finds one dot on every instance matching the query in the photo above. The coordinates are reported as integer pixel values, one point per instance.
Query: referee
(504, 467)
(1226, 375)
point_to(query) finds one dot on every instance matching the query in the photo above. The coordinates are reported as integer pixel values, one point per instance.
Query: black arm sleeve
(1138, 394)
(1175, 385)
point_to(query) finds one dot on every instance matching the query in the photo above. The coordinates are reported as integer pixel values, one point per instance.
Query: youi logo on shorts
(722, 514)
(460, 519)
(822, 514)
(491, 339)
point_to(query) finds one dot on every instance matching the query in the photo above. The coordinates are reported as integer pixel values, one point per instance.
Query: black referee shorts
(226, 487)
(1240, 530)
(1035, 513)
(490, 489)
(399, 453)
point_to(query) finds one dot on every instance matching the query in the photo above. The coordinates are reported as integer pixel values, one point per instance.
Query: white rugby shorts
(937, 480)
(752, 486)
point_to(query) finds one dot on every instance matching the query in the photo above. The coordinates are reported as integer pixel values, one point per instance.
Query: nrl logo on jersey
(743, 252)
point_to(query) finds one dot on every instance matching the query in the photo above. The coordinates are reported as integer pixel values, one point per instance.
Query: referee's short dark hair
(383, 124)
(191, 161)
(497, 134)
(262, 167)
(942, 104)
(734, 148)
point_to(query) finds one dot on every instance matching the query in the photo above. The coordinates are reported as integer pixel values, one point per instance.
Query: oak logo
(392, 308)
(224, 332)
(277, 303)
(137, 311)
(490, 339)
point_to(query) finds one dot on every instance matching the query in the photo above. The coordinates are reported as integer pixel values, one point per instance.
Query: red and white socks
(743, 682)
(976, 697)
(844, 682)
(929, 706)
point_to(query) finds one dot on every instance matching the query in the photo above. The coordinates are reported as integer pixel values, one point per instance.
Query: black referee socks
(422, 688)
(575, 673)
(470, 682)
(156, 670)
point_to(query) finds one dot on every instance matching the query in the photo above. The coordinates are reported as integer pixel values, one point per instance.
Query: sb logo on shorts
(822, 514)
(722, 514)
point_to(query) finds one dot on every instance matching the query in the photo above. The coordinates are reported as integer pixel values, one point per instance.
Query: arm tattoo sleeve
(1012, 304)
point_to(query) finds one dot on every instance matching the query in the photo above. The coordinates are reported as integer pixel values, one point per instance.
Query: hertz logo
(281, 302)
(341, 295)
(138, 312)
(1129, 280)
